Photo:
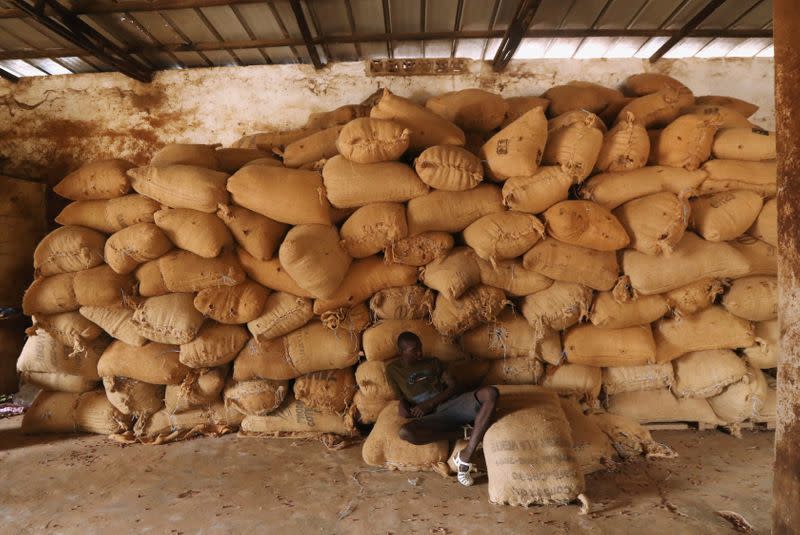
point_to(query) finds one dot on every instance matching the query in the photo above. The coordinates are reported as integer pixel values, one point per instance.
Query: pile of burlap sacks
(620, 254)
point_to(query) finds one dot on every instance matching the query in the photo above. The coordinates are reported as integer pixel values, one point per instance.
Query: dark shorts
(453, 413)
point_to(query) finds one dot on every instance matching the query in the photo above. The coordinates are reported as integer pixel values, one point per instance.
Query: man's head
(409, 346)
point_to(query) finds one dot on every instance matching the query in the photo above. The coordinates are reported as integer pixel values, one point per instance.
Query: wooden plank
(526, 11)
(687, 28)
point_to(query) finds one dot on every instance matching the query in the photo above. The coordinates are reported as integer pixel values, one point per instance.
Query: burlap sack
(117, 321)
(725, 216)
(368, 140)
(268, 141)
(661, 406)
(585, 224)
(258, 235)
(593, 346)
(100, 286)
(592, 448)
(318, 146)
(372, 380)
(530, 425)
(198, 232)
(365, 277)
(611, 112)
(153, 363)
(374, 227)
(753, 298)
(452, 317)
(354, 319)
(655, 223)
(270, 160)
(350, 185)
(651, 82)
(269, 273)
(566, 98)
(470, 109)
(692, 259)
(200, 388)
(728, 117)
(216, 344)
(68, 249)
(164, 426)
(450, 168)
(232, 305)
(326, 390)
(724, 175)
(51, 295)
(314, 257)
(657, 109)
(629, 438)
(743, 400)
(62, 412)
(341, 115)
(503, 235)
(702, 374)
(561, 305)
(713, 328)
(452, 211)
(104, 179)
(308, 349)
(68, 328)
(420, 249)
(58, 382)
(576, 118)
(518, 148)
(519, 106)
(402, 303)
(574, 380)
(608, 313)
(512, 277)
(765, 227)
(764, 353)
(745, 108)
(182, 271)
(538, 192)
(686, 141)
(42, 353)
(380, 340)
(258, 398)
(625, 147)
(181, 186)
(231, 159)
(186, 154)
(574, 148)
(510, 336)
(513, 371)
(427, 128)
(290, 196)
(127, 248)
(621, 379)
(296, 420)
(168, 319)
(752, 144)
(384, 447)
(694, 297)
(282, 314)
(570, 263)
(613, 189)
(130, 396)
(110, 215)
(761, 257)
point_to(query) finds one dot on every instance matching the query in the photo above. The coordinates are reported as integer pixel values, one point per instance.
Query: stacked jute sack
(242, 285)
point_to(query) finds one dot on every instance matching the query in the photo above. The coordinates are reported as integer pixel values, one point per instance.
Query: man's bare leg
(488, 398)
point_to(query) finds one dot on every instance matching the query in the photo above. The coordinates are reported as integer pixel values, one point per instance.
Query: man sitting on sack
(439, 408)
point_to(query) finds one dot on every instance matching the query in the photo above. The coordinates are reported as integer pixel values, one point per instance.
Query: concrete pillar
(786, 487)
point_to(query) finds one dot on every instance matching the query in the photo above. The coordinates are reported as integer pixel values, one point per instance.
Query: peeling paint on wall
(53, 124)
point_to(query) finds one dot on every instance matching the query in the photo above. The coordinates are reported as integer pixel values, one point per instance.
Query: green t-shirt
(417, 382)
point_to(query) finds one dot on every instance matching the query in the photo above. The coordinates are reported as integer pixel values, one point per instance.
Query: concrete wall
(51, 125)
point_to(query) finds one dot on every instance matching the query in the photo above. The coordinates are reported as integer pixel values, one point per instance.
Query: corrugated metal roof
(168, 34)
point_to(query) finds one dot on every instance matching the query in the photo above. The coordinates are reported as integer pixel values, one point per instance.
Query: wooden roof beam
(520, 23)
(297, 9)
(687, 29)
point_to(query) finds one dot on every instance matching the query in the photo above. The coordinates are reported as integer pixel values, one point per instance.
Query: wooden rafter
(520, 22)
(687, 29)
(302, 24)
(68, 26)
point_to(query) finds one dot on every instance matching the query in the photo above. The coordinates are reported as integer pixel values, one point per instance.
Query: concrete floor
(88, 484)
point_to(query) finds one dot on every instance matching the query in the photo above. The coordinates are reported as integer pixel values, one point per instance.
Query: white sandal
(466, 471)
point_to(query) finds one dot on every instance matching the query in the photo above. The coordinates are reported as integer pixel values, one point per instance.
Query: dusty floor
(61, 484)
